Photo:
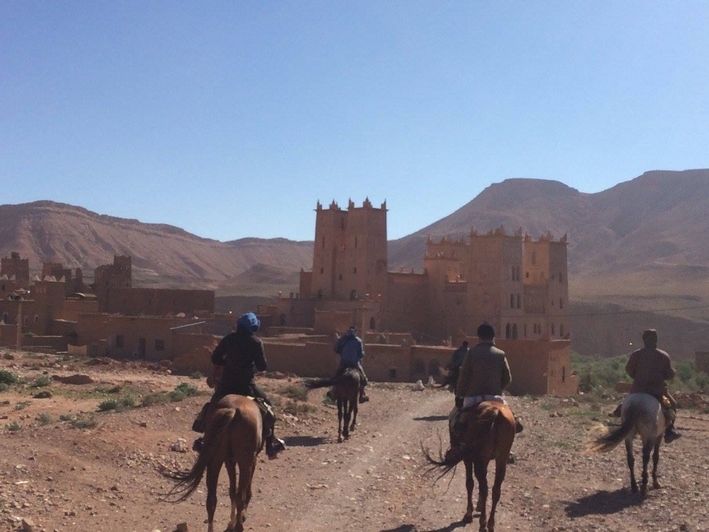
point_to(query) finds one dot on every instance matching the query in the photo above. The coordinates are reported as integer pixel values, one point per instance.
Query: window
(508, 331)
(322, 270)
(560, 277)
(340, 277)
(561, 330)
(563, 374)
(120, 340)
(354, 270)
(159, 345)
(355, 242)
(561, 303)
(514, 331)
(36, 318)
(512, 301)
(519, 301)
(552, 329)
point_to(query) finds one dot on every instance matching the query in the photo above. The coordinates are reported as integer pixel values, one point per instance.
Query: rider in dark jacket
(238, 356)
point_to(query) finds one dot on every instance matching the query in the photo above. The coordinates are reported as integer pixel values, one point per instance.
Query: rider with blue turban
(236, 358)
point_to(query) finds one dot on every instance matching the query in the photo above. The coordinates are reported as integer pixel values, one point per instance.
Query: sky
(233, 119)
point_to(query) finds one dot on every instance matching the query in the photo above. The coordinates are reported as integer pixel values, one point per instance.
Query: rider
(236, 356)
(484, 374)
(650, 367)
(457, 361)
(351, 350)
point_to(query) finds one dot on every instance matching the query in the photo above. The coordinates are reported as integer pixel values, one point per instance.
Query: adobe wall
(71, 309)
(540, 367)
(303, 359)
(150, 338)
(428, 360)
(8, 335)
(158, 301)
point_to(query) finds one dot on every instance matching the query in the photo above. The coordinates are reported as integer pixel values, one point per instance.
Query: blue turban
(248, 323)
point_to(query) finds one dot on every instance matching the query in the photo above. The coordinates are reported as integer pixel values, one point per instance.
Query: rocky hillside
(163, 255)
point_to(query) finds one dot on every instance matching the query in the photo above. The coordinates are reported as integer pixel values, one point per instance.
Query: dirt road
(59, 476)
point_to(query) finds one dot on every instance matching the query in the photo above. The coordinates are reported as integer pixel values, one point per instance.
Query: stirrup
(273, 447)
(671, 436)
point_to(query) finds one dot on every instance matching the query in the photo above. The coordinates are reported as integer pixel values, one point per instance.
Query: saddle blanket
(472, 400)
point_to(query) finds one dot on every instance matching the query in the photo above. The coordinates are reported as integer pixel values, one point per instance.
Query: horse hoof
(656, 485)
(634, 488)
(339, 439)
(468, 518)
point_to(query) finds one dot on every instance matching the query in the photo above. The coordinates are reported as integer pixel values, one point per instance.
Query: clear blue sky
(232, 119)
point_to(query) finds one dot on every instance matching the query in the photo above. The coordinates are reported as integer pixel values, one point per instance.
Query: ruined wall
(141, 337)
(16, 267)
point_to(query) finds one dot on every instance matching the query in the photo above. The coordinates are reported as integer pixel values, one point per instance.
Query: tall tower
(350, 252)
(494, 273)
(546, 286)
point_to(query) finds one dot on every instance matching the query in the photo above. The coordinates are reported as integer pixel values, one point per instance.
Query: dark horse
(233, 437)
(488, 435)
(345, 391)
(640, 414)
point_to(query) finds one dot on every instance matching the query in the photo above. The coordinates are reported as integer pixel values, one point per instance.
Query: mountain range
(641, 246)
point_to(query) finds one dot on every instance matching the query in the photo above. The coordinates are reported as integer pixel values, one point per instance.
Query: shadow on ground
(413, 528)
(304, 441)
(431, 418)
(603, 503)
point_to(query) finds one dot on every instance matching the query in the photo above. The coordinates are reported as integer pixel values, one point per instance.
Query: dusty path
(103, 478)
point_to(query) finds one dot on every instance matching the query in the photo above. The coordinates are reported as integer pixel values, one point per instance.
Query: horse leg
(647, 449)
(481, 476)
(655, 461)
(631, 464)
(469, 485)
(346, 424)
(339, 420)
(231, 471)
(500, 471)
(354, 415)
(212, 481)
(243, 496)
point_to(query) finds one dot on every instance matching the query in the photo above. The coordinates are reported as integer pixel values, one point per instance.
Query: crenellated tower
(350, 252)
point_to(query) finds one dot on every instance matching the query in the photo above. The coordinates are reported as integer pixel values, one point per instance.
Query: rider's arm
(506, 375)
(219, 352)
(631, 366)
(260, 358)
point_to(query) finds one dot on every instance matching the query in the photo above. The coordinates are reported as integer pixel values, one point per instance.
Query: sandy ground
(57, 476)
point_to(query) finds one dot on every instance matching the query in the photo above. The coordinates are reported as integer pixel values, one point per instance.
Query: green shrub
(108, 404)
(42, 381)
(197, 375)
(153, 399)
(44, 419)
(21, 406)
(83, 422)
(13, 427)
(8, 378)
(65, 417)
(298, 393)
(186, 389)
(4, 387)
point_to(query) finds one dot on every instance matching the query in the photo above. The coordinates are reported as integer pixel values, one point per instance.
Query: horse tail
(215, 449)
(311, 384)
(610, 440)
(348, 374)
(485, 423)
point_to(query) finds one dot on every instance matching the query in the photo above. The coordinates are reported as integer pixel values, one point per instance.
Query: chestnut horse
(345, 391)
(233, 437)
(488, 435)
(640, 414)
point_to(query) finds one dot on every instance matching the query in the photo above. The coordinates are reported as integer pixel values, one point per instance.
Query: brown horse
(233, 437)
(345, 391)
(641, 414)
(488, 435)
